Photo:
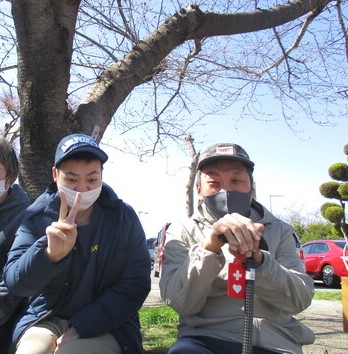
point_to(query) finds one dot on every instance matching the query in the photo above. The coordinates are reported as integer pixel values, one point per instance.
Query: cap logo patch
(78, 141)
(225, 150)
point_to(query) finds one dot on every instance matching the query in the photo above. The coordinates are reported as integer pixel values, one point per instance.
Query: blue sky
(287, 165)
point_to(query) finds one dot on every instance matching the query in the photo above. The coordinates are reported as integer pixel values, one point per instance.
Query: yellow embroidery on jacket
(94, 248)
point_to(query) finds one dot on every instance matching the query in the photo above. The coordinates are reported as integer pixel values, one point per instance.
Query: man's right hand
(61, 235)
(242, 234)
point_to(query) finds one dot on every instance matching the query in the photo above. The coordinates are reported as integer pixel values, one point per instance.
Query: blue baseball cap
(75, 143)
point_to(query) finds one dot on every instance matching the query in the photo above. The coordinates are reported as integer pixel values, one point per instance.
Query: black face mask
(224, 202)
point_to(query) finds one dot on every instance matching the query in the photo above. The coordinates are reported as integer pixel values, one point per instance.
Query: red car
(324, 261)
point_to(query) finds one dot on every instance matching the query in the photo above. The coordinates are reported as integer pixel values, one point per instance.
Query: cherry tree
(157, 69)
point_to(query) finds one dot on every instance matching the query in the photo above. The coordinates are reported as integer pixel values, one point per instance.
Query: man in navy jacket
(80, 256)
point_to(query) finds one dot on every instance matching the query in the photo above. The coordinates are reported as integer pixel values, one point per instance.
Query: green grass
(335, 295)
(158, 315)
(158, 328)
(159, 323)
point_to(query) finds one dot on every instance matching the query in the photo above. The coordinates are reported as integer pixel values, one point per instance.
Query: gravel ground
(325, 318)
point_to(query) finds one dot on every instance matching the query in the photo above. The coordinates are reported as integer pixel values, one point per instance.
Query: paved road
(325, 318)
(154, 298)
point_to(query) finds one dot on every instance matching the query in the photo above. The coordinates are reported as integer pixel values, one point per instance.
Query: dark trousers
(209, 345)
(6, 336)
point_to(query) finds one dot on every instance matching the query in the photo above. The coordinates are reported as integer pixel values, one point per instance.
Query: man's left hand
(66, 337)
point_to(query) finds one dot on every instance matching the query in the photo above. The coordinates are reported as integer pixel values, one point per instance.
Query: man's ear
(253, 188)
(54, 174)
(198, 188)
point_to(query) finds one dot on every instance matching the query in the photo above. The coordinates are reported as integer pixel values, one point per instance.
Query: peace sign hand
(61, 235)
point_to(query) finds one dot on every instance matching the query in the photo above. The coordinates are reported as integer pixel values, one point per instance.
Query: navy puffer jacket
(100, 286)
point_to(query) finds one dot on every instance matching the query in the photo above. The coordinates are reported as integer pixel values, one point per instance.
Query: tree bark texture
(45, 31)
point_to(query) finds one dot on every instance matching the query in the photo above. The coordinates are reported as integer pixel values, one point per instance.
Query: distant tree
(297, 213)
(299, 228)
(335, 212)
(318, 231)
(9, 113)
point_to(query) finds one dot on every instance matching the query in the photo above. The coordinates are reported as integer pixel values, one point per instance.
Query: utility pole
(270, 200)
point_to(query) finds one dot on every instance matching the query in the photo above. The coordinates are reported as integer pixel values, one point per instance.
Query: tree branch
(343, 27)
(97, 44)
(312, 15)
(125, 22)
(228, 24)
(105, 96)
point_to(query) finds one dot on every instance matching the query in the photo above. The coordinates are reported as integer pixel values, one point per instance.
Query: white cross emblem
(237, 275)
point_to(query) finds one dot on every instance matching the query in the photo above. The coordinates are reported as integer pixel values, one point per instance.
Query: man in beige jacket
(227, 224)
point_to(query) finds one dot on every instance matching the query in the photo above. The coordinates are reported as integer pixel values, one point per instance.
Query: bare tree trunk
(191, 182)
(45, 31)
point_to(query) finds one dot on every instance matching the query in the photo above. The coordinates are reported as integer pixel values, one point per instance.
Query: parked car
(159, 249)
(151, 248)
(324, 261)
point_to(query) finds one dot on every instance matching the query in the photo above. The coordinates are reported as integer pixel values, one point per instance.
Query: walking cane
(249, 305)
(241, 279)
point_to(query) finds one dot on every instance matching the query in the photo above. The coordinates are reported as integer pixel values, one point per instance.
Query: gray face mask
(224, 202)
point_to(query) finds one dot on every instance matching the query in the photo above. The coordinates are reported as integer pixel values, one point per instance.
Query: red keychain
(236, 282)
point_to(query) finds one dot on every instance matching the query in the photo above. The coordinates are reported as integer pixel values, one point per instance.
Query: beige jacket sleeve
(188, 270)
(281, 281)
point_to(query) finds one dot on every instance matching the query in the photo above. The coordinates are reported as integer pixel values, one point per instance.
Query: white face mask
(3, 189)
(87, 200)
